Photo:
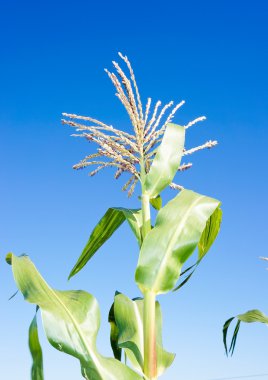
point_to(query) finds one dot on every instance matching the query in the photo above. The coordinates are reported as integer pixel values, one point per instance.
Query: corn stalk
(151, 155)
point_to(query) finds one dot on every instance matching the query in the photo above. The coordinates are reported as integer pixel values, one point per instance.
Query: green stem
(150, 358)
(149, 326)
(146, 217)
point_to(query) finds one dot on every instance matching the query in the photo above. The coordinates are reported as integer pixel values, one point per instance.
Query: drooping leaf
(129, 320)
(13, 295)
(178, 229)
(156, 202)
(207, 239)
(167, 160)
(108, 224)
(71, 321)
(186, 279)
(224, 332)
(36, 352)
(250, 316)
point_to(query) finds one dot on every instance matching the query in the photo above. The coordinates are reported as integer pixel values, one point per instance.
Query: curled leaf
(250, 316)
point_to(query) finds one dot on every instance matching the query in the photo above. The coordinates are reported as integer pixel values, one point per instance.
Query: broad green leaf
(177, 232)
(129, 320)
(167, 160)
(207, 239)
(156, 202)
(250, 316)
(108, 224)
(36, 352)
(71, 321)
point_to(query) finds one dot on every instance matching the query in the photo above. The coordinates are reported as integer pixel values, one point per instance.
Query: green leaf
(129, 320)
(167, 160)
(207, 239)
(114, 335)
(186, 279)
(210, 233)
(224, 332)
(178, 229)
(156, 202)
(9, 258)
(36, 352)
(71, 321)
(108, 224)
(253, 316)
(250, 316)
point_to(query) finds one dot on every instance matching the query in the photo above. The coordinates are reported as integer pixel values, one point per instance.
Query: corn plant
(151, 156)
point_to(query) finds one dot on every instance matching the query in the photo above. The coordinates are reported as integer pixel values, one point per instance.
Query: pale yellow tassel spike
(118, 173)
(152, 120)
(193, 122)
(171, 115)
(155, 125)
(184, 167)
(121, 95)
(208, 145)
(127, 84)
(154, 137)
(127, 184)
(148, 105)
(101, 124)
(125, 59)
(132, 188)
(174, 186)
(84, 163)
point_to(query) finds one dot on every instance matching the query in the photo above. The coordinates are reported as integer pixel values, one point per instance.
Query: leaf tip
(73, 272)
(70, 275)
(9, 258)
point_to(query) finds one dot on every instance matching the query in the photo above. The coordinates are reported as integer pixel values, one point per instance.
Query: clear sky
(212, 54)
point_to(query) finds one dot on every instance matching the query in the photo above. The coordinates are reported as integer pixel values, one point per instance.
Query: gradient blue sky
(213, 54)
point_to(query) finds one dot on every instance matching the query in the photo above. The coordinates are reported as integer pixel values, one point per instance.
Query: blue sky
(212, 54)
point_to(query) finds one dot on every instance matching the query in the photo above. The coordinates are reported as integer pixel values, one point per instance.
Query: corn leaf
(36, 352)
(207, 239)
(71, 321)
(177, 232)
(114, 334)
(250, 316)
(156, 202)
(167, 160)
(210, 233)
(108, 224)
(129, 320)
